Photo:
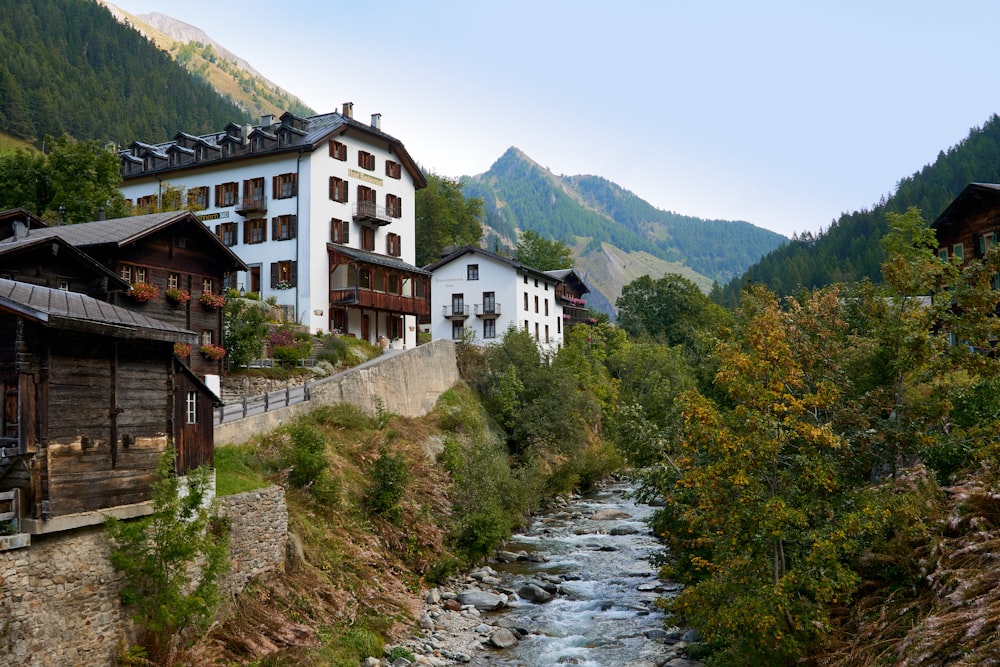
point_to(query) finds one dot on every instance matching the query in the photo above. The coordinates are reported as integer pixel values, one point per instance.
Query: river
(596, 552)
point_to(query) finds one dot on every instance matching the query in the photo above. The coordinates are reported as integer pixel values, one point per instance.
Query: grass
(234, 471)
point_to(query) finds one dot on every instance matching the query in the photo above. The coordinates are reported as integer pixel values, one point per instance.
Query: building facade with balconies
(477, 292)
(321, 209)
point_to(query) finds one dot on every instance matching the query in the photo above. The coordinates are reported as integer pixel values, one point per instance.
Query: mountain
(230, 75)
(67, 67)
(850, 249)
(616, 237)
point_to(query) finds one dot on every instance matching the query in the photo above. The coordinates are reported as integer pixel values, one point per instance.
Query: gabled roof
(374, 258)
(122, 231)
(975, 198)
(72, 311)
(471, 249)
(570, 276)
(11, 216)
(34, 241)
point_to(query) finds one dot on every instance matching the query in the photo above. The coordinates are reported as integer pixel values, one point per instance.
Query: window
(546, 306)
(206, 337)
(283, 273)
(368, 239)
(64, 284)
(227, 233)
(125, 273)
(394, 206)
(283, 228)
(366, 160)
(365, 278)
(537, 337)
(197, 198)
(526, 301)
(285, 186)
(943, 254)
(378, 284)
(225, 194)
(489, 328)
(536, 303)
(489, 303)
(338, 151)
(956, 251)
(366, 195)
(472, 272)
(191, 404)
(393, 245)
(558, 325)
(208, 287)
(253, 192)
(174, 281)
(525, 280)
(458, 304)
(141, 274)
(526, 325)
(338, 189)
(457, 330)
(340, 231)
(546, 333)
(254, 231)
(147, 203)
(392, 169)
(394, 284)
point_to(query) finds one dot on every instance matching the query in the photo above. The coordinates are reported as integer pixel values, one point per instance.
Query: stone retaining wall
(407, 383)
(59, 597)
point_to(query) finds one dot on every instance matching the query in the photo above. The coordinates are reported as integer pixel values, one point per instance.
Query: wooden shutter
(293, 225)
(218, 195)
(274, 228)
(294, 273)
(246, 231)
(275, 188)
(274, 274)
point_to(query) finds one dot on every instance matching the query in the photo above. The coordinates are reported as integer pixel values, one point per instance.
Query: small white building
(321, 209)
(476, 290)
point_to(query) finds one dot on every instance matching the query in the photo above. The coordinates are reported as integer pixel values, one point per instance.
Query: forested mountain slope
(850, 248)
(616, 236)
(68, 67)
(230, 75)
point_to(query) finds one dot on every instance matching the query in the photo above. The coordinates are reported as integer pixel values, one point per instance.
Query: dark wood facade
(91, 401)
(971, 223)
(51, 262)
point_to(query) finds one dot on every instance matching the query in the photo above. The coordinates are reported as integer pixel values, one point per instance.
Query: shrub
(389, 477)
(306, 455)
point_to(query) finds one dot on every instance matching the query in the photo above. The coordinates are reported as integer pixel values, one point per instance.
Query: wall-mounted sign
(362, 176)
(213, 216)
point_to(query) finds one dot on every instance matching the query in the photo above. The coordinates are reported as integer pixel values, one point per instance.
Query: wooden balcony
(372, 214)
(456, 312)
(366, 298)
(489, 311)
(252, 204)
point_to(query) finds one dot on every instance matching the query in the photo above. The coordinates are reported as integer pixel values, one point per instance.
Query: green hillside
(850, 248)
(616, 236)
(68, 67)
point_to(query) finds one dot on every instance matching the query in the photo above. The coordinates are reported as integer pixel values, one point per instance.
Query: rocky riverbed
(576, 588)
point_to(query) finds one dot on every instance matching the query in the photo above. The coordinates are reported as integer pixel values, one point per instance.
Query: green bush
(306, 457)
(389, 477)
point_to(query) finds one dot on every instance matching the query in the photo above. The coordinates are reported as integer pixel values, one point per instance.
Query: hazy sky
(784, 114)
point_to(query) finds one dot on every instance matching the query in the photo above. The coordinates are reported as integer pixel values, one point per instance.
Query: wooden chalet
(971, 223)
(375, 291)
(52, 262)
(570, 293)
(170, 251)
(92, 396)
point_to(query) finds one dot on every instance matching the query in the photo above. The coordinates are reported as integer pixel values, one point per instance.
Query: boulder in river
(534, 593)
(482, 600)
(502, 638)
(609, 515)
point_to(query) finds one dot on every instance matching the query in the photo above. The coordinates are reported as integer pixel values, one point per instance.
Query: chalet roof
(471, 249)
(374, 258)
(975, 198)
(570, 276)
(122, 231)
(312, 133)
(72, 311)
(10, 216)
(35, 240)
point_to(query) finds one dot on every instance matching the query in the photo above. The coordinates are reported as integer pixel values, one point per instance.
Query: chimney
(266, 120)
(100, 213)
(247, 129)
(348, 110)
(20, 230)
(377, 121)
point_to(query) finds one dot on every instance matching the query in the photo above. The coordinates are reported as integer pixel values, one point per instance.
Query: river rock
(482, 600)
(502, 638)
(609, 515)
(624, 530)
(433, 596)
(683, 662)
(534, 593)
(508, 556)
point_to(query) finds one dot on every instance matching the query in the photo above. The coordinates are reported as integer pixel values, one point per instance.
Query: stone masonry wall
(59, 597)
(408, 383)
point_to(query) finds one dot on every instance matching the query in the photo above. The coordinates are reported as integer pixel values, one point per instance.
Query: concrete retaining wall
(407, 382)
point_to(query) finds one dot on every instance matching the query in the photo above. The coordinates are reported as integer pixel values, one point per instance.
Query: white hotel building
(321, 209)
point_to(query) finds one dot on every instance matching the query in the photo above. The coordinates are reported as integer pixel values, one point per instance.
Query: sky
(782, 114)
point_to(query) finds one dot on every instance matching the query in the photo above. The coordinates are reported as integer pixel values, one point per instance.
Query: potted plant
(143, 292)
(212, 301)
(178, 296)
(182, 350)
(213, 352)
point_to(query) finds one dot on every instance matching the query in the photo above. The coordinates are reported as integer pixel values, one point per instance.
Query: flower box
(143, 292)
(178, 296)
(212, 301)
(213, 352)
(182, 350)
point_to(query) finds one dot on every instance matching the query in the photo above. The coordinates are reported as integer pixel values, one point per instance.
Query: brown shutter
(275, 192)
(274, 274)
(293, 226)
(274, 227)
(246, 231)
(218, 195)
(294, 271)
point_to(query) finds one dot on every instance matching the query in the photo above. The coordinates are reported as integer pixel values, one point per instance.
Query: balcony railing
(456, 312)
(487, 311)
(372, 213)
(253, 204)
(366, 298)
